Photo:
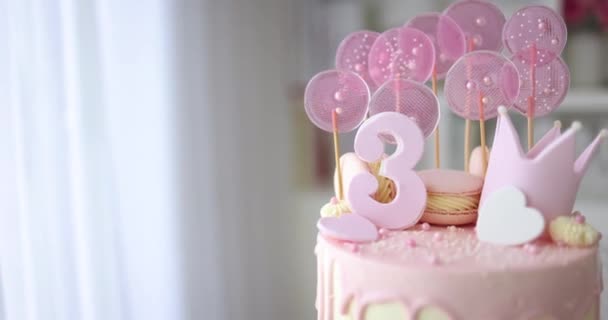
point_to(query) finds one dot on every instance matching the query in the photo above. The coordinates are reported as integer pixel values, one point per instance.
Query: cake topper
(348, 227)
(352, 54)
(336, 101)
(367, 213)
(450, 44)
(404, 53)
(482, 22)
(535, 25)
(478, 84)
(410, 98)
(545, 82)
(408, 205)
(549, 174)
(447, 37)
(536, 36)
(504, 219)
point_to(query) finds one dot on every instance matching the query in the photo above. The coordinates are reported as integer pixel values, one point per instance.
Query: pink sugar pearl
(579, 218)
(434, 260)
(437, 237)
(531, 248)
(411, 243)
(426, 226)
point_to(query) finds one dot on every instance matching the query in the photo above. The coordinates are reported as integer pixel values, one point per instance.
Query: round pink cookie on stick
(352, 54)
(481, 21)
(401, 53)
(450, 44)
(410, 98)
(477, 84)
(449, 40)
(538, 25)
(536, 35)
(452, 196)
(336, 101)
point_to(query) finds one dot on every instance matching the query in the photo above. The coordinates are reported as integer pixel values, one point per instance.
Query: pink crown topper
(549, 174)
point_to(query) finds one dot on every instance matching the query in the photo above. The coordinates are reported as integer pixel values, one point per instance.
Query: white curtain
(87, 207)
(144, 160)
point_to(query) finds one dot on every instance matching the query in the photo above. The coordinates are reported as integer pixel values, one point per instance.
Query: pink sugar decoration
(355, 248)
(438, 237)
(331, 90)
(352, 54)
(407, 207)
(434, 260)
(579, 218)
(411, 243)
(485, 76)
(413, 99)
(401, 53)
(531, 248)
(481, 21)
(426, 226)
(546, 79)
(449, 40)
(537, 25)
(549, 174)
(333, 200)
(383, 231)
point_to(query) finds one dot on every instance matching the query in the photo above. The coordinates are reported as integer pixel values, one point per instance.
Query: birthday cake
(498, 240)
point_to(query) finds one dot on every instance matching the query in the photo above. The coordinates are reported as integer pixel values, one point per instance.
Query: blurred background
(156, 161)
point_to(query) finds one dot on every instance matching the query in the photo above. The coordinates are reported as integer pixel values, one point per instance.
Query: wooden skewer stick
(482, 134)
(334, 122)
(531, 98)
(397, 95)
(467, 123)
(437, 148)
(467, 144)
(530, 123)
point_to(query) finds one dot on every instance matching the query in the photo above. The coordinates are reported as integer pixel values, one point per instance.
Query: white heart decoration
(504, 219)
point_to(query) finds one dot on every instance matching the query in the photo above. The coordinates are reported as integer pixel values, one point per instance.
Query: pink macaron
(452, 196)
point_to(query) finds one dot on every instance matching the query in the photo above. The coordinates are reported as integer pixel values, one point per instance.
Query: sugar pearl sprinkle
(333, 200)
(531, 248)
(426, 226)
(411, 243)
(579, 217)
(434, 260)
(437, 236)
(439, 247)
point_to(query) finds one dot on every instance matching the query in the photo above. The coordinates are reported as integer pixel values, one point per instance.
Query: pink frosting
(465, 278)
